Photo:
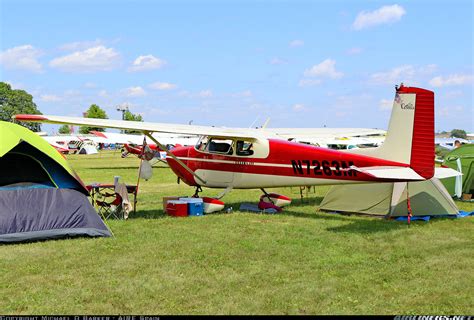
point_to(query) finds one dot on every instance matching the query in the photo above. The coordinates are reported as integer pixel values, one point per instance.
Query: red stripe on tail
(423, 148)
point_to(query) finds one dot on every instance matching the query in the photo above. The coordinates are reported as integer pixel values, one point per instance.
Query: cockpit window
(215, 145)
(220, 146)
(244, 148)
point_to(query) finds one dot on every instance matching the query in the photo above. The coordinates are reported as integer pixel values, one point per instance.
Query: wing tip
(29, 117)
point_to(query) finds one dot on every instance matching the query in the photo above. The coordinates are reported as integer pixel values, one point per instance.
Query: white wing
(145, 126)
(184, 129)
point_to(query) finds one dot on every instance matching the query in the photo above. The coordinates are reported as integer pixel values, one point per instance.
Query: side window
(220, 146)
(202, 143)
(244, 148)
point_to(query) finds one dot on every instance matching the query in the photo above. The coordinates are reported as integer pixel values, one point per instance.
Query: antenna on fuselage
(251, 126)
(266, 123)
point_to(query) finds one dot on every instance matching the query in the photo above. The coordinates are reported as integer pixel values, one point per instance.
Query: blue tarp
(461, 214)
(254, 208)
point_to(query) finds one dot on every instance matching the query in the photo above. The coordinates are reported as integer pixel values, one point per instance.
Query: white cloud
(201, 94)
(49, 98)
(145, 63)
(296, 43)
(205, 94)
(453, 93)
(354, 51)
(327, 68)
(396, 75)
(242, 94)
(298, 107)
(15, 85)
(135, 92)
(454, 111)
(103, 94)
(405, 73)
(451, 80)
(21, 58)
(383, 15)
(341, 114)
(256, 106)
(90, 60)
(72, 93)
(162, 86)
(386, 104)
(184, 93)
(81, 45)
(277, 61)
(309, 82)
(90, 85)
(428, 69)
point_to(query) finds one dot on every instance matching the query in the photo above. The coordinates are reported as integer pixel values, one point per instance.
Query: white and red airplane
(248, 158)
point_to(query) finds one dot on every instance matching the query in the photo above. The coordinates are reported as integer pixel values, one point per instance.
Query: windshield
(220, 146)
(202, 143)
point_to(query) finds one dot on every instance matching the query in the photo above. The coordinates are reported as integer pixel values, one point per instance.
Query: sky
(237, 63)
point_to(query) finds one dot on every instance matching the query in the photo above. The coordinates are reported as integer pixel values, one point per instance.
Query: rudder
(423, 148)
(410, 134)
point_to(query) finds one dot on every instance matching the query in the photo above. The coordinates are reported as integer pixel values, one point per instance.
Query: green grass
(301, 261)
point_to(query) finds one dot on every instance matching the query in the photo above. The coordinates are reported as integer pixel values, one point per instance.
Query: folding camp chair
(110, 199)
(109, 203)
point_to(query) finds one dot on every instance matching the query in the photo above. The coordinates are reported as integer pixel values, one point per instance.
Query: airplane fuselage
(286, 164)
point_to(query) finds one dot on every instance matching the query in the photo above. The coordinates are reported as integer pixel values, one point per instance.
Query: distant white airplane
(449, 143)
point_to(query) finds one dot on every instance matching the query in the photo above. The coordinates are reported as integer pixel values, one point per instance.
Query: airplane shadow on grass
(356, 223)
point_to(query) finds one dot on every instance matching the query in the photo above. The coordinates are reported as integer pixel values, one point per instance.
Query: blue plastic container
(195, 206)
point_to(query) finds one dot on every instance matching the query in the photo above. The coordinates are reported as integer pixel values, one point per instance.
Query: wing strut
(162, 147)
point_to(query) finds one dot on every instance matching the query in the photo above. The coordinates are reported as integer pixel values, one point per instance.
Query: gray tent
(29, 214)
(427, 198)
(41, 197)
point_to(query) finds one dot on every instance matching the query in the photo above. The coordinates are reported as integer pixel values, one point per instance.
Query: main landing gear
(196, 193)
(267, 196)
(223, 193)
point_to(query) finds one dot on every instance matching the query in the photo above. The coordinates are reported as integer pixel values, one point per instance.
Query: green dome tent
(465, 154)
(41, 197)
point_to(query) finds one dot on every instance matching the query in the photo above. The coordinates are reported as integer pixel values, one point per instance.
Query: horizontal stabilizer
(400, 173)
(392, 173)
(442, 173)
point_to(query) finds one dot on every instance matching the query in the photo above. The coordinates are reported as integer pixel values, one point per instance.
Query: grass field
(298, 262)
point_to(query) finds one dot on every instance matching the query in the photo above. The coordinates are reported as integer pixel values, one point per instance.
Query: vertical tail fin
(410, 134)
(423, 148)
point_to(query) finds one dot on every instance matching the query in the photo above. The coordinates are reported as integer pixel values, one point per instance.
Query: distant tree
(458, 133)
(96, 112)
(17, 101)
(128, 116)
(64, 129)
